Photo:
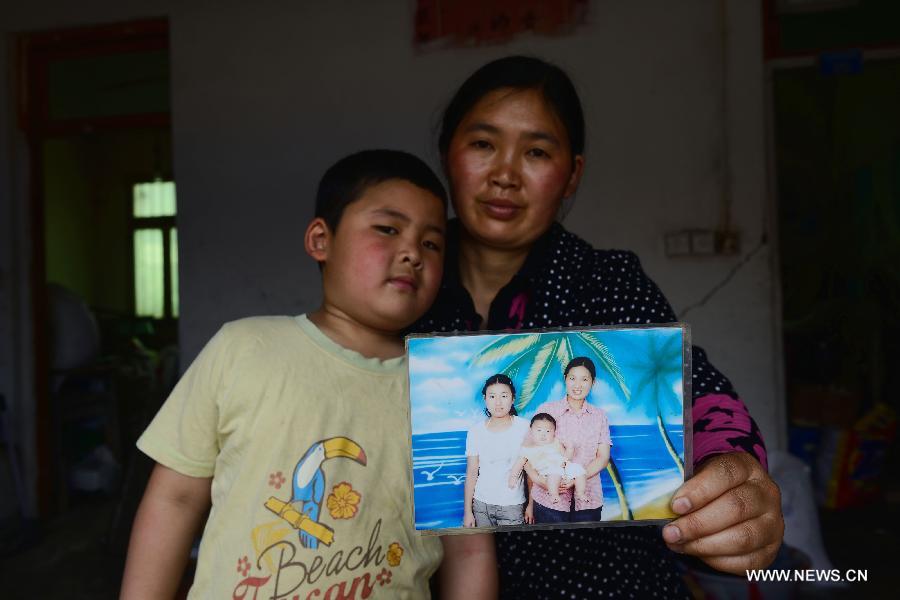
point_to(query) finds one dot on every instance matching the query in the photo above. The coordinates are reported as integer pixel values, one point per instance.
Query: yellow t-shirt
(307, 444)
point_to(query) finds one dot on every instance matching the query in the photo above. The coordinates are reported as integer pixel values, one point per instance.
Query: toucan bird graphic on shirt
(308, 483)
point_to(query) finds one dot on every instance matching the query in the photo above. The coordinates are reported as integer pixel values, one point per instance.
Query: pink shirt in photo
(586, 429)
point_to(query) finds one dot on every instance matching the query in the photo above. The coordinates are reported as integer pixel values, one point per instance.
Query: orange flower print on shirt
(394, 554)
(343, 501)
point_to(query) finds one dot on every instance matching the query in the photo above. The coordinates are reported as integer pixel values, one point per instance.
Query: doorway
(837, 159)
(838, 164)
(94, 104)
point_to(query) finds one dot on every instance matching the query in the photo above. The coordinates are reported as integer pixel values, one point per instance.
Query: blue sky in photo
(445, 390)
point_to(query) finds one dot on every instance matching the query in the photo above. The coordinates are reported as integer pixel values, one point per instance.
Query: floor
(68, 557)
(78, 555)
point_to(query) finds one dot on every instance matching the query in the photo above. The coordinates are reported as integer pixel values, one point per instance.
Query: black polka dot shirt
(564, 283)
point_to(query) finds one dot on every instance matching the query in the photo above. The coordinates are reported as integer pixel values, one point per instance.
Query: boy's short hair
(348, 179)
(543, 417)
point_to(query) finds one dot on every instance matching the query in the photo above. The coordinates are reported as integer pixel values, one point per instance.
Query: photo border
(687, 424)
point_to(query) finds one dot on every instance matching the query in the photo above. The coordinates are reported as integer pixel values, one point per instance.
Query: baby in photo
(550, 458)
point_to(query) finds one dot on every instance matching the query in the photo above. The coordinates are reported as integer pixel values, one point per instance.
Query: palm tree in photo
(658, 363)
(536, 355)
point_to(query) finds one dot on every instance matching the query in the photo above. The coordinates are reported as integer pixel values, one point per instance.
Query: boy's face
(542, 432)
(384, 262)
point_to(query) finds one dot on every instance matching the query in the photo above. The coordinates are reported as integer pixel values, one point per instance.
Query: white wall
(266, 95)
(263, 102)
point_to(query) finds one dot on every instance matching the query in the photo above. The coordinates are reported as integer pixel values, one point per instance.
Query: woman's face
(498, 400)
(510, 167)
(578, 383)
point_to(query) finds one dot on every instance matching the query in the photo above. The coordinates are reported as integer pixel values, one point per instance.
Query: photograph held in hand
(548, 429)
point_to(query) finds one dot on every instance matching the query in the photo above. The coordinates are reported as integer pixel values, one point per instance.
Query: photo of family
(557, 428)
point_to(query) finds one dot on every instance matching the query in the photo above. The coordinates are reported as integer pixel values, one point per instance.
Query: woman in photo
(584, 427)
(492, 446)
(512, 144)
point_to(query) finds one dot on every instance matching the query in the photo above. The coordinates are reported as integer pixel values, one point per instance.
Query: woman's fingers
(740, 564)
(731, 515)
(740, 539)
(745, 502)
(713, 478)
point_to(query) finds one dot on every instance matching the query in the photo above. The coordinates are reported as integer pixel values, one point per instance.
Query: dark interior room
(160, 160)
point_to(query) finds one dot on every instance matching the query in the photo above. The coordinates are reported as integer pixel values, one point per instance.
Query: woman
(587, 428)
(491, 449)
(512, 144)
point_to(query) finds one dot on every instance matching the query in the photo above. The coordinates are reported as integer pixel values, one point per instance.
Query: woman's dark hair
(500, 378)
(544, 417)
(520, 73)
(581, 361)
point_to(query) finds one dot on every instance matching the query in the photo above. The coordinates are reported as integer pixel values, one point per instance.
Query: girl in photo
(492, 446)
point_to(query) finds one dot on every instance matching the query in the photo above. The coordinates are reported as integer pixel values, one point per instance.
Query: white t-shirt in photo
(497, 452)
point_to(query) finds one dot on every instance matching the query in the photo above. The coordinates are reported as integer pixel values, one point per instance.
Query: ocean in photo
(646, 468)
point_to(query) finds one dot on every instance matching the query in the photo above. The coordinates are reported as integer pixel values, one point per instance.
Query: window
(155, 250)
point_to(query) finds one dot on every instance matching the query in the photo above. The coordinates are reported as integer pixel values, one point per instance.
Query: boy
(295, 429)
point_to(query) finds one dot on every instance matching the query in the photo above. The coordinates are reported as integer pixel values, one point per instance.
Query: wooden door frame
(34, 53)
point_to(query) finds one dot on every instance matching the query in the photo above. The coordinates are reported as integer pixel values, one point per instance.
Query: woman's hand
(566, 484)
(469, 490)
(529, 512)
(469, 519)
(731, 515)
(529, 506)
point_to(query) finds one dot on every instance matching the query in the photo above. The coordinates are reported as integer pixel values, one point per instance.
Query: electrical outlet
(701, 243)
(678, 243)
(728, 242)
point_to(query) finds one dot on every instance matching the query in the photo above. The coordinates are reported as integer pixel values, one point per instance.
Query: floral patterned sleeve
(722, 422)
